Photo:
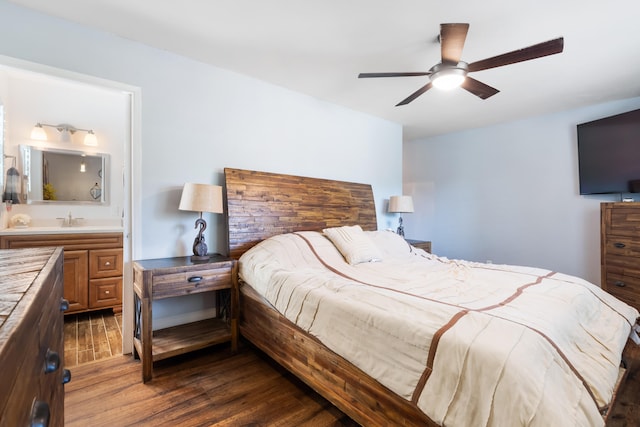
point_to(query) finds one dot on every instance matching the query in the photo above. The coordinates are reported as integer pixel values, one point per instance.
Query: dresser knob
(619, 283)
(39, 414)
(107, 263)
(106, 292)
(66, 376)
(619, 245)
(52, 362)
(64, 305)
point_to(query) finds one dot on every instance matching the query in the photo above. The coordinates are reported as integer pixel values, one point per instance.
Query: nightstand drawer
(424, 245)
(190, 282)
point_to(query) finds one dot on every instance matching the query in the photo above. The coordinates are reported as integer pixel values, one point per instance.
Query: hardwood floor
(626, 411)
(92, 336)
(214, 387)
(205, 388)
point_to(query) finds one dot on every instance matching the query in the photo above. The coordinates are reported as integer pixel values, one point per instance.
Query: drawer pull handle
(39, 414)
(52, 362)
(107, 263)
(619, 283)
(64, 304)
(619, 245)
(195, 279)
(106, 292)
(66, 376)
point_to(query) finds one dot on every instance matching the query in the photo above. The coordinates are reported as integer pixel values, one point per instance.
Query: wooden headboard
(263, 204)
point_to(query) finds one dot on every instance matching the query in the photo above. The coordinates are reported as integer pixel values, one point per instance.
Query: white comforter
(471, 344)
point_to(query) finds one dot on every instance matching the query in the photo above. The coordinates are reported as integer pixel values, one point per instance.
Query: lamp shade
(38, 133)
(201, 198)
(402, 204)
(90, 139)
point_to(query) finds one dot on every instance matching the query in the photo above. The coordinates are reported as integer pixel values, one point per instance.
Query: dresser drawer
(624, 287)
(105, 263)
(622, 245)
(623, 221)
(622, 261)
(191, 282)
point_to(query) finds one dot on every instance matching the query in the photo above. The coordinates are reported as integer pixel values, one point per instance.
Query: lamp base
(400, 230)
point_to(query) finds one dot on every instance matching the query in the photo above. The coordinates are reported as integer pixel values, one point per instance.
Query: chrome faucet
(69, 220)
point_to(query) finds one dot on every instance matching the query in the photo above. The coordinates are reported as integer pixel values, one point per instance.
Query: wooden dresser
(93, 264)
(31, 337)
(620, 250)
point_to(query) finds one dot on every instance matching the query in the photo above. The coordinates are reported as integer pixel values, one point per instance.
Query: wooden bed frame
(261, 205)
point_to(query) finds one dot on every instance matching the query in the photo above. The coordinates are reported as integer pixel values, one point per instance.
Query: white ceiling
(318, 47)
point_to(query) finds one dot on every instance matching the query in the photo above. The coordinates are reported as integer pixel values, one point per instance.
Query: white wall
(197, 119)
(509, 193)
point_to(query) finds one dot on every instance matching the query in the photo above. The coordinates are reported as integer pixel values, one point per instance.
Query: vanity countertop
(63, 230)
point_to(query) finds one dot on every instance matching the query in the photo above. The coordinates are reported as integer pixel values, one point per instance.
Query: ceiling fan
(452, 72)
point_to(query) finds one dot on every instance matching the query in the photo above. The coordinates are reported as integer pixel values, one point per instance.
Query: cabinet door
(76, 282)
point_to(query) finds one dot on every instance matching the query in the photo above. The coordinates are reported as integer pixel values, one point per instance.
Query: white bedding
(470, 344)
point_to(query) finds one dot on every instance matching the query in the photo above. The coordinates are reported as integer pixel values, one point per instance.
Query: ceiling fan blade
(478, 88)
(452, 37)
(539, 50)
(368, 75)
(414, 95)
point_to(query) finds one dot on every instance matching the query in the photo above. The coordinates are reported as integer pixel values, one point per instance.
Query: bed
(276, 224)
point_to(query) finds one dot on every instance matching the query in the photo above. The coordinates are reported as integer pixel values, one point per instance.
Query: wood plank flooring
(92, 336)
(211, 387)
(626, 411)
(214, 387)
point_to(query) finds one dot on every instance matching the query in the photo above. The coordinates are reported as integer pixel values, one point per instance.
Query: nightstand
(420, 244)
(156, 279)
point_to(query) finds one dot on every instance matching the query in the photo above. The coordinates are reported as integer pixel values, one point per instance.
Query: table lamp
(400, 204)
(201, 198)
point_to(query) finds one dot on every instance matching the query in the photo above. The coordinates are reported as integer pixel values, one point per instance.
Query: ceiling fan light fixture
(448, 77)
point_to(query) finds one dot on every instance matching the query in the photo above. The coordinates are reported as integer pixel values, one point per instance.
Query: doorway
(114, 111)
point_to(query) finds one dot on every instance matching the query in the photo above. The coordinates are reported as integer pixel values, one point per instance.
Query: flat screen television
(609, 154)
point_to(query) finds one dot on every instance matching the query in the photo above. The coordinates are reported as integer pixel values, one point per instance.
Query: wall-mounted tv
(609, 154)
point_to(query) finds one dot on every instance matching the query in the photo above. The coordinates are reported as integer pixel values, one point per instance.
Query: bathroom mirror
(63, 176)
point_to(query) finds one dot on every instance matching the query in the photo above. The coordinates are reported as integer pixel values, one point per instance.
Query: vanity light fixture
(38, 133)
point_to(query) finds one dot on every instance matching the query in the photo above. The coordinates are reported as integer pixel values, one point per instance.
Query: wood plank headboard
(263, 204)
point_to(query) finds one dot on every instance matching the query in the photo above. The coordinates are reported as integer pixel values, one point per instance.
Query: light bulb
(90, 139)
(38, 133)
(448, 81)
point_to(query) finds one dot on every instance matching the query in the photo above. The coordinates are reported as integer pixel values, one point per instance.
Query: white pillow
(390, 244)
(354, 245)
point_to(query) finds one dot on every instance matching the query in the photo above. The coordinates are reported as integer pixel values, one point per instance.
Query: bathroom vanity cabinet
(93, 266)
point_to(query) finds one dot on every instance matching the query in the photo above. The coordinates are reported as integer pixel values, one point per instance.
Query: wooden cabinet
(620, 250)
(420, 244)
(31, 337)
(173, 277)
(93, 265)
